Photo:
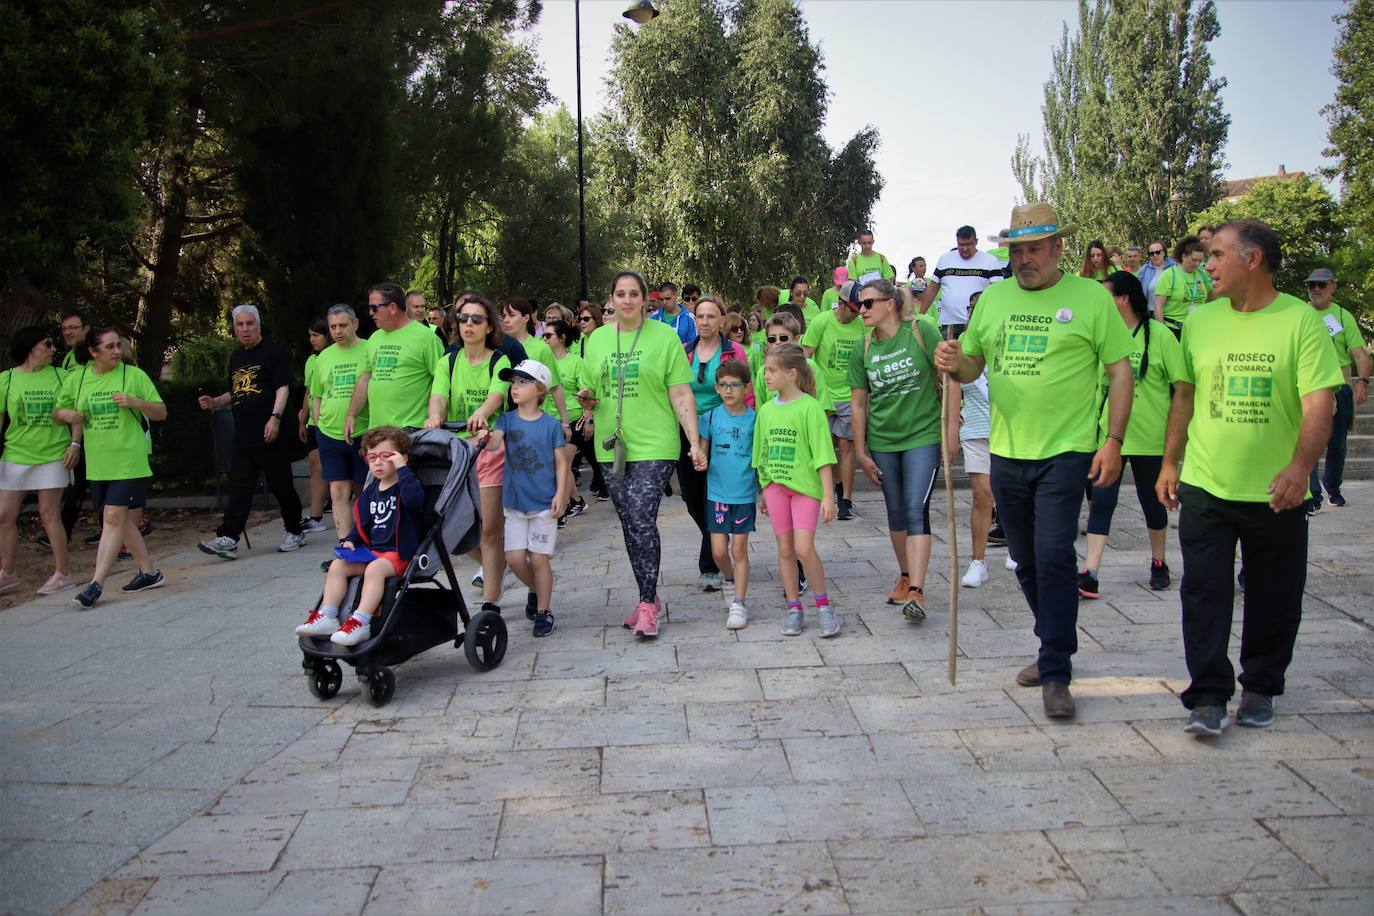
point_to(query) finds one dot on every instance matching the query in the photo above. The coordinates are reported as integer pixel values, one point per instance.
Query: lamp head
(641, 11)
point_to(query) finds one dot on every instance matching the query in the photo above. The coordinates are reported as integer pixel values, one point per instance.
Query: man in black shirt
(259, 382)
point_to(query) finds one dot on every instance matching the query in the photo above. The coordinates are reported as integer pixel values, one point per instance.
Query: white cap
(531, 369)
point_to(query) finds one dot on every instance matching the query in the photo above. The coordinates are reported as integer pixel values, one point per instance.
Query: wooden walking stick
(953, 665)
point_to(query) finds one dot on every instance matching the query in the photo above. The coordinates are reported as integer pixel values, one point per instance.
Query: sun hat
(1032, 222)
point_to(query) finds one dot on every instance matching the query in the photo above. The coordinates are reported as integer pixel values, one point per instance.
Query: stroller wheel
(380, 686)
(484, 643)
(325, 679)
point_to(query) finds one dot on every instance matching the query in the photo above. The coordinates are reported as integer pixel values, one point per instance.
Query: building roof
(1236, 188)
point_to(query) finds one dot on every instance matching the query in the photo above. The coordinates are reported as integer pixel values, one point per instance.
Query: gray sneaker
(829, 623)
(1255, 711)
(290, 542)
(1207, 720)
(224, 547)
(792, 626)
(710, 582)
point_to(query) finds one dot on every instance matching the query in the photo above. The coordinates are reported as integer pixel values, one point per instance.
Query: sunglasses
(471, 319)
(866, 304)
(608, 311)
(1155, 251)
(1316, 284)
(781, 338)
(584, 317)
(549, 335)
(373, 456)
(690, 298)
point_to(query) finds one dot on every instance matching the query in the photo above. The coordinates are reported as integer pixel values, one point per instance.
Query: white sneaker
(352, 632)
(290, 542)
(1011, 564)
(739, 616)
(311, 525)
(977, 574)
(318, 624)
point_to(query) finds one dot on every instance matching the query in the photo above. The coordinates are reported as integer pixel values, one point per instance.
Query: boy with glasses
(727, 437)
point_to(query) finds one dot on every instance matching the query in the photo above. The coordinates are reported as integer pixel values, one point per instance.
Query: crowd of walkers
(1217, 390)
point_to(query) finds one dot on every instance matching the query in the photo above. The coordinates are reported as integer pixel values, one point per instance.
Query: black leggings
(693, 484)
(636, 496)
(1145, 470)
(587, 451)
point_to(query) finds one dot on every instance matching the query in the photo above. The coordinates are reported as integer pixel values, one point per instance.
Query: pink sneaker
(632, 618)
(9, 581)
(56, 583)
(647, 625)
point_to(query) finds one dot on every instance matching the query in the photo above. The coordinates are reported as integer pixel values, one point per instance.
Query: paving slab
(583, 824)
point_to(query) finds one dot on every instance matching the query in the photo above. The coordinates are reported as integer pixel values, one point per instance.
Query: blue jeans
(908, 478)
(1038, 504)
(1335, 446)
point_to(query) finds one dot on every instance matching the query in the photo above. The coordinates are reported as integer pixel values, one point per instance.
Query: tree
(1133, 120)
(84, 85)
(1300, 211)
(1351, 116)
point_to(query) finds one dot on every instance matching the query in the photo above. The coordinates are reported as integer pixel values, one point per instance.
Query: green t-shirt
(336, 374)
(28, 399)
(810, 310)
(863, 267)
(792, 443)
(310, 363)
(1250, 371)
(829, 299)
(1150, 405)
(69, 363)
(536, 349)
(903, 390)
(834, 343)
(403, 364)
(570, 373)
(1345, 333)
(657, 362)
(761, 392)
(1044, 350)
(115, 443)
(1182, 293)
(468, 385)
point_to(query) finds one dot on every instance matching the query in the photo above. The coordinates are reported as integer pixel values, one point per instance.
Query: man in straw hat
(1042, 340)
(1254, 411)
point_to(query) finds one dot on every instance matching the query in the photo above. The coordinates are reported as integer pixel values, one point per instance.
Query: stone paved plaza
(161, 754)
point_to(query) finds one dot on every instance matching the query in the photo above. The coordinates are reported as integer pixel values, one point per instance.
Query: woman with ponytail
(1157, 361)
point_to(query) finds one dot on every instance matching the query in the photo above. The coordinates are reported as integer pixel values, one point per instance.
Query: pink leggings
(788, 509)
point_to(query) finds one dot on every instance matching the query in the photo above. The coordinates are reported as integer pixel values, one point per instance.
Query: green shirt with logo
(903, 392)
(792, 443)
(570, 374)
(650, 367)
(335, 375)
(1182, 292)
(1250, 371)
(468, 385)
(115, 443)
(1345, 333)
(1044, 351)
(810, 310)
(310, 362)
(1153, 391)
(403, 364)
(28, 399)
(834, 342)
(864, 267)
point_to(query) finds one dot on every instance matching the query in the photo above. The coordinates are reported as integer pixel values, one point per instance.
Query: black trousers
(586, 450)
(73, 496)
(1273, 549)
(245, 466)
(693, 485)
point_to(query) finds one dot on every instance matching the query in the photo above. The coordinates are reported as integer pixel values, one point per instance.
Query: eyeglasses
(730, 386)
(1155, 251)
(1316, 284)
(374, 456)
(866, 304)
(471, 319)
(71, 328)
(781, 338)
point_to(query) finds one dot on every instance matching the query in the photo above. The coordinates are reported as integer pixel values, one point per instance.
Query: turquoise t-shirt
(730, 474)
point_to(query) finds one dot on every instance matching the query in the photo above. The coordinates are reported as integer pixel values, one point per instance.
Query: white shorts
(841, 421)
(976, 458)
(27, 477)
(536, 532)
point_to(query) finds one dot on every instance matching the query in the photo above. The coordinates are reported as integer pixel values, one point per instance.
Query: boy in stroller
(386, 532)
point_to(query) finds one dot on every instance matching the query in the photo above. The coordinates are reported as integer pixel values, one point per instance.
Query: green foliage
(1301, 212)
(1133, 121)
(1351, 115)
(203, 361)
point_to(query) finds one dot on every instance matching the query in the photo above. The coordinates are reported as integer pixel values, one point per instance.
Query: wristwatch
(276, 416)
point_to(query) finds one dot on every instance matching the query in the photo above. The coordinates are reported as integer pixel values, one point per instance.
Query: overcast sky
(949, 119)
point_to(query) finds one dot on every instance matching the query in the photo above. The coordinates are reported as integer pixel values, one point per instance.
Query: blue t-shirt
(730, 476)
(531, 472)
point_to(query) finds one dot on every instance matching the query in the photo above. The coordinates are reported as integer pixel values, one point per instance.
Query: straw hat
(1032, 222)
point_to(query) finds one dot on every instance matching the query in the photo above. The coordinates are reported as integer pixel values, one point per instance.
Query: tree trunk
(153, 327)
(21, 305)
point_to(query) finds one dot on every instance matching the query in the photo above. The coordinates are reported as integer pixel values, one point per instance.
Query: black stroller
(417, 612)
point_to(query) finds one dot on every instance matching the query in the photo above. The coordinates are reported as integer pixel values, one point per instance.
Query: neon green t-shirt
(28, 399)
(116, 446)
(762, 393)
(1250, 371)
(69, 363)
(829, 299)
(1150, 405)
(570, 373)
(903, 390)
(1044, 350)
(310, 363)
(336, 374)
(1182, 293)
(834, 342)
(810, 310)
(469, 384)
(1345, 333)
(863, 267)
(792, 443)
(656, 363)
(403, 364)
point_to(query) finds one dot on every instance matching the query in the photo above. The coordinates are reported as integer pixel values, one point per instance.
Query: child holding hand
(727, 437)
(386, 525)
(795, 459)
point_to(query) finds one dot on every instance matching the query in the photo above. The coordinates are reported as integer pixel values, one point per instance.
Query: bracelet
(275, 416)
(1116, 437)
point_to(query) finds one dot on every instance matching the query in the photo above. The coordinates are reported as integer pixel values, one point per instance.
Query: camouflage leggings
(636, 496)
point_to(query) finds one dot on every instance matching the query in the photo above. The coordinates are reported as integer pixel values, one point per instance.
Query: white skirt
(28, 477)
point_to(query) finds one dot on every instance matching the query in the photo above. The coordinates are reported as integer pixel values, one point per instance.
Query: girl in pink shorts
(795, 458)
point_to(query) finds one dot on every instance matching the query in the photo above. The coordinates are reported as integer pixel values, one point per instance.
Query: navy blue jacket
(389, 522)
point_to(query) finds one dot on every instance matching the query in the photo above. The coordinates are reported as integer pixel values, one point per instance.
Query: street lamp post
(640, 12)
